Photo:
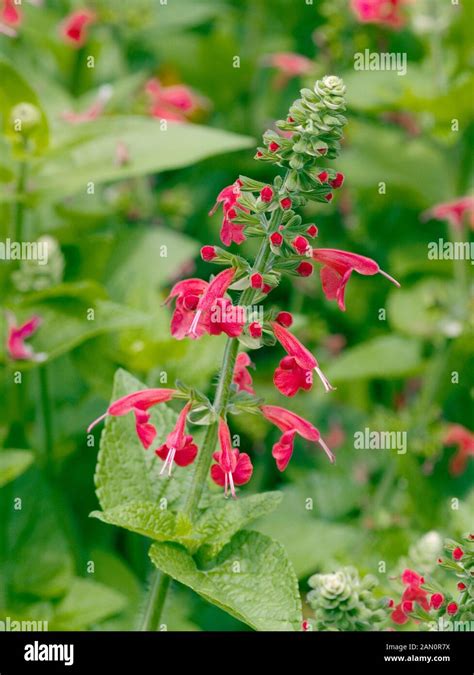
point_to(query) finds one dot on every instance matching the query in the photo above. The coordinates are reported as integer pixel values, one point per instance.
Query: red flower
(9, 15)
(337, 269)
(208, 253)
(384, 12)
(228, 197)
(16, 347)
(295, 371)
(452, 608)
(225, 318)
(242, 377)
(208, 306)
(458, 435)
(436, 600)
(412, 593)
(458, 554)
(266, 194)
(290, 64)
(172, 103)
(291, 424)
(139, 402)
(74, 27)
(233, 467)
(178, 447)
(276, 239)
(187, 293)
(453, 211)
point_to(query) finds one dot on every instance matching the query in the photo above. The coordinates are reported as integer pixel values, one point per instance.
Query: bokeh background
(401, 359)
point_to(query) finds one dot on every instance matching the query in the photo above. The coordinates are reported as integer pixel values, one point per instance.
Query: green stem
(46, 413)
(19, 213)
(155, 601)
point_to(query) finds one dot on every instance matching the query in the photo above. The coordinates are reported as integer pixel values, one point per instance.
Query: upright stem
(155, 601)
(19, 213)
(46, 416)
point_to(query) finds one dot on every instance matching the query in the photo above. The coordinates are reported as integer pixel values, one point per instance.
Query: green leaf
(16, 90)
(87, 602)
(125, 471)
(149, 520)
(13, 463)
(223, 518)
(251, 579)
(384, 357)
(90, 151)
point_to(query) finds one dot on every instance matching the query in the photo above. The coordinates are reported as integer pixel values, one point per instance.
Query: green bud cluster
(343, 601)
(312, 130)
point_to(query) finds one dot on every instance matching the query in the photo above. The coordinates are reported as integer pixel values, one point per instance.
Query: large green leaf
(383, 357)
(251, 579)
(87, 602)
(13, 463)
(125, 471)
(89, 154)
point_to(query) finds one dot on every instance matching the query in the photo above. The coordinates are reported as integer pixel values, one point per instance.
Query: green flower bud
(25, 118)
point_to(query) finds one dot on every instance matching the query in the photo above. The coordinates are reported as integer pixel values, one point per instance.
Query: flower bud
(407, 606)
(255, 330)
(273, 147)
(276, 239)
(452, 608)
(301, 244)
(312, 231)
(266, 288)
(337, 181)
(329, 196)
(266, 194)
(323, 176)
(305, 269)
(208, 253)
(25, 117)
(458, 553)
(285, 203)
(284, 319)
(437, 600)
(256, 280)
(461, 586)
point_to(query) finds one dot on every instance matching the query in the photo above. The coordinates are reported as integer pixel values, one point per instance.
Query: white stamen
(232, 486)
(394, 281)
(328, 452)
(192, 328)
(327, 385)
(168, 461)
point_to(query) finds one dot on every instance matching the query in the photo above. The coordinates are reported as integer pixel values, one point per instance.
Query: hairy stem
(155, 601)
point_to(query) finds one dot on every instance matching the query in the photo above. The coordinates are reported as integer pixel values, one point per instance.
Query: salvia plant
(156, 483)
(343, 601)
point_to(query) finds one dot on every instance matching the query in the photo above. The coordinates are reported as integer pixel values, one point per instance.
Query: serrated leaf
(251, 579)
(13, 463)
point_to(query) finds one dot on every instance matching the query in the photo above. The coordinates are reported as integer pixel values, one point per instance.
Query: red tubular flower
(172, 103)
(139, 402)
(228, 197)
(74, 28)
(291, 424)
(9, 13)
(284, 319)
(301, 244)
(16, 347)
(305, 269)
(225, 318)
(179, 446)
(242, 377)
(255, 329)
(233, 467)
(453, 212)
(337, 269)
(187, 293)
(276, 239)
(412, 593)
(208, 253)
(460, 436)
(436, 600)
(295, 371)
(266, 194)
(216, 289)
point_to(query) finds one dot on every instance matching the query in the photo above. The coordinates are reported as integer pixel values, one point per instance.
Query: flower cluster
(343, 601)
(312, 133)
